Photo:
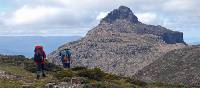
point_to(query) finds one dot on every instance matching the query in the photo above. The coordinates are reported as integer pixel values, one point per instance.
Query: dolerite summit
(121, 44)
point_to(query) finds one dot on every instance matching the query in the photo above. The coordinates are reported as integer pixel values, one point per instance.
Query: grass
(7, 83)
(28, 77)
(24, 68)
(15, 70)
(41, 83)
(95, 78)
(91, 78)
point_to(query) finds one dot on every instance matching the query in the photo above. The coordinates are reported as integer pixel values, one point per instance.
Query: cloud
(29, 15)
(1, 17)
(75, 17)
(147, 18)
(180, 5)
(101, 15)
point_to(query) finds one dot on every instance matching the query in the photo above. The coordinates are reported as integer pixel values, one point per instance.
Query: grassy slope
(92, 77)
(15, 65)
(26, 78)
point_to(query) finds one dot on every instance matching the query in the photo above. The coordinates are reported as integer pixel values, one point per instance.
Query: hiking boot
(38, 76)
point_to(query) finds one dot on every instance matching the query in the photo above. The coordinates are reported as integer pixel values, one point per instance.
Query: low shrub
(99, 85)
(50, 67)
(136, 82)
(95, 74)
(78, 68)
(83, 80)
(64, 73)
(110, 76)
(66, 79)
(30, 66)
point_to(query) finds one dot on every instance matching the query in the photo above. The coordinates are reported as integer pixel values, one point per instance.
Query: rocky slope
(176, 67)
(121, 44)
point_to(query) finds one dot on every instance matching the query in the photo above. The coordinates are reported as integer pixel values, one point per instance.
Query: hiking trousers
(40, 69)
(66, 64)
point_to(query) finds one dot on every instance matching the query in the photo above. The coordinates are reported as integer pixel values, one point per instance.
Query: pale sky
(76, 17)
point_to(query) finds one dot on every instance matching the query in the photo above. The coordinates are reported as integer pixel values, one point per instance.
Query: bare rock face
(173, 37)
(121, 44)
(179, 66)
(122, 13)
(170, 37)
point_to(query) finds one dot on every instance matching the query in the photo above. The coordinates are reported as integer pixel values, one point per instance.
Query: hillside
(121, 44)
(179, 66)
(19, 72)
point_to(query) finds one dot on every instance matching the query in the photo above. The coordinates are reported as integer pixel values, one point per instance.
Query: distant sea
(24, 45)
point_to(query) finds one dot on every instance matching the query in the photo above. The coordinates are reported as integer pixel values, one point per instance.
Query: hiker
(65, 56)
(39, 58)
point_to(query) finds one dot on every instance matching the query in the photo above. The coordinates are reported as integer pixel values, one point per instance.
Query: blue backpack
(66, 54)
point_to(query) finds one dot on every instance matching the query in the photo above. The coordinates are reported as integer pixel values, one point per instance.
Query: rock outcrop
(122, 13)
(179, 66)
(170, 37)
(121, 44)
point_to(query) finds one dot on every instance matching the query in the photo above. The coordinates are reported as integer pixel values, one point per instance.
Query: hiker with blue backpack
(39, 58)
(65, 56)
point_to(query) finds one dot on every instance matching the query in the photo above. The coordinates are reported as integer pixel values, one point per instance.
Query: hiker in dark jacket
(39, 58)
(65, 56)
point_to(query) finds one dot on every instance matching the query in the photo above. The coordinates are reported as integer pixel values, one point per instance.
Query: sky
(76, 17)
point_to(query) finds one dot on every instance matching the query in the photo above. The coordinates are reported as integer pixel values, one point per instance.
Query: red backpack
(38, 57)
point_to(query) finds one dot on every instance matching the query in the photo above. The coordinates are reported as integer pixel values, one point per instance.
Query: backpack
(67, 55)
(38, 57)
(66, 58)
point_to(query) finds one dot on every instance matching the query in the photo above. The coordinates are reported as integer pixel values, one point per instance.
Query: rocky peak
(122, 20)
(122, 13)
(121, 44)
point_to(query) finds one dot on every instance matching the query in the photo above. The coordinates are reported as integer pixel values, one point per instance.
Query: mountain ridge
(180, 66)
(125, 13)
(120, 45)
